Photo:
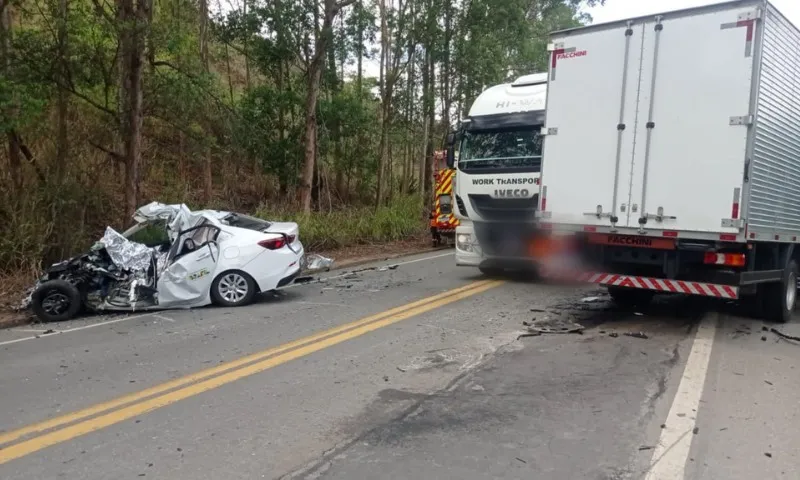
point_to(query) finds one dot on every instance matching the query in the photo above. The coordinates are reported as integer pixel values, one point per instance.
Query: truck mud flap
(646, 283)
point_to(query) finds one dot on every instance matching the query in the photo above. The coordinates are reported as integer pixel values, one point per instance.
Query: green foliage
(356, 226)
(227, 129)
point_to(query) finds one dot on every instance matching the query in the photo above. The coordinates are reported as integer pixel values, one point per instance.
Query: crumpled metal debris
(126, 254)
(315, 261)
(555, 324)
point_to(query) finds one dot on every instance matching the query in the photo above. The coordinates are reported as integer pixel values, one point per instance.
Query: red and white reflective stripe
(650, 283)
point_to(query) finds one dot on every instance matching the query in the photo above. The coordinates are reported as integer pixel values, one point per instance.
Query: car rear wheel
(233, 289)
(56, 301)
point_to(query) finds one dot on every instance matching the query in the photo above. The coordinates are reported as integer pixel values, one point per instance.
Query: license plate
(632, 241)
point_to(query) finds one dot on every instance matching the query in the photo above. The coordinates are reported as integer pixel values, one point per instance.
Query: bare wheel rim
(55, 303)
(791, 291)
(233, 287)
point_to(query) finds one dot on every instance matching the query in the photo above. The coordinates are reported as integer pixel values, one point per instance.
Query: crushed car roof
(177, 216)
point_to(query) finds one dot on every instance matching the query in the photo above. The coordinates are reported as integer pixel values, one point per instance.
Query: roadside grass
(401, 220)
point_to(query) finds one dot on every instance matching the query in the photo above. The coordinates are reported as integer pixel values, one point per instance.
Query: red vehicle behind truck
(443, 221)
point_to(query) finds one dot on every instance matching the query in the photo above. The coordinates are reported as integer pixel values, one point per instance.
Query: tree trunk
(14, 151)
(360, 54)
(315, 68)
(204, 34)
(245, 45)
(310, 137)
(426, 80)
(133, 16)
(382, 88)
(445, 70)
(431, 132)
(228, 64)
(62, 140)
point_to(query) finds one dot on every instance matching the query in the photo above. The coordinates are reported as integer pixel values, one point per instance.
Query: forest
(323, 111)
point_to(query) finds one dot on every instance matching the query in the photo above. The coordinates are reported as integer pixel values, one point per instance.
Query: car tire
(233, 288)
(779, 299)
(56, 301)
(630, 297)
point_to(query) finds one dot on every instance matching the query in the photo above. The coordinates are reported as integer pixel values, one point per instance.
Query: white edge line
(150, 314)
(69, 330)
(674, 444)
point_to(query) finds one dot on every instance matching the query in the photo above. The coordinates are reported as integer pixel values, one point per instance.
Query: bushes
(400, 220)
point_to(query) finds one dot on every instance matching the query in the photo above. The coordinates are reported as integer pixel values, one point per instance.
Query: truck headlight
(464, 242)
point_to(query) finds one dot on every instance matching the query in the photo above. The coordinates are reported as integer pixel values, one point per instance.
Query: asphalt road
(410, 372)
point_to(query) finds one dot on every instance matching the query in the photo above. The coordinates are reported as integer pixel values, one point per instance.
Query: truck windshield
(517, 150)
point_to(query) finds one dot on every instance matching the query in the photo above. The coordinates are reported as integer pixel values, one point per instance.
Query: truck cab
(496, 186)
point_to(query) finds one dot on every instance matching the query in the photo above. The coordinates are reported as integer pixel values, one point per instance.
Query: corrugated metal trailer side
(771, 205)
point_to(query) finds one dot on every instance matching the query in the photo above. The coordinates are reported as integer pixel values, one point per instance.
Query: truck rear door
(652, 121)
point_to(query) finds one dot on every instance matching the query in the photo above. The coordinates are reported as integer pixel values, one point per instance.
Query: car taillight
(277, 243)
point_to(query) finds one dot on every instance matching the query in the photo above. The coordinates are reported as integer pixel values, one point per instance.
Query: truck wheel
(630, 297)
(55, 301)
(779, 298)
(492, 271)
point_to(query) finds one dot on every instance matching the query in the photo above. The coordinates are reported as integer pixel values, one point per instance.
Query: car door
(191, 263)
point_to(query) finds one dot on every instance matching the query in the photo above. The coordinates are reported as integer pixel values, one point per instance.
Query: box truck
(672, 154)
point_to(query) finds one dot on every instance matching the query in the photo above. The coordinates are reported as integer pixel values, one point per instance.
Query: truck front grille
(504, 239)
(462, 209)
(505, 209)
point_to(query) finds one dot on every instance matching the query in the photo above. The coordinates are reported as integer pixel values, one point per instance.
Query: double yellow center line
(36, 437)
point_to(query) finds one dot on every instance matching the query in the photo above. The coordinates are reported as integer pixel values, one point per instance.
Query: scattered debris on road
(590, 299)
(315, 262)
(783, 335)
(641, 335)
(645, 447)
(767, 454)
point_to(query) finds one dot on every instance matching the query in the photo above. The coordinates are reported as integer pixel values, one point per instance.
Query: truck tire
(630, 297)
(56, 301)
(779, 299)
(493, 272)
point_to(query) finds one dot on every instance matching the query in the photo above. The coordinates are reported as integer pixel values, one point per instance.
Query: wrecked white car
(175, 258)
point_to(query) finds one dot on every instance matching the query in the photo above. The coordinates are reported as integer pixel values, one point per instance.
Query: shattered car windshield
(148, 233)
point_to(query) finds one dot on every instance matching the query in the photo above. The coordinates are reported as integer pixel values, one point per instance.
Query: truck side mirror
(450, 158)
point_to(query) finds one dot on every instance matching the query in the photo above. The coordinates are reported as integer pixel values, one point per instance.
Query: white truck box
(684, 125)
